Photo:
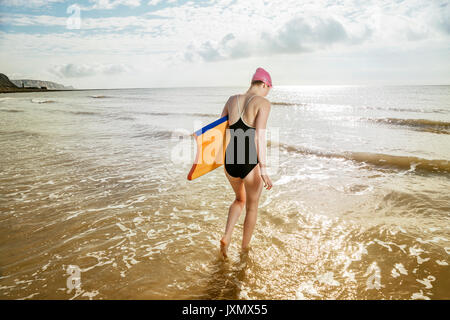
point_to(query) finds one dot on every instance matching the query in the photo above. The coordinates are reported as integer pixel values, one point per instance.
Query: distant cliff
(5, 83)
(8, 86)
(39, 84)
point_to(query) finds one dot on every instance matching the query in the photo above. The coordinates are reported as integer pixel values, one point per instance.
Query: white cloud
(85, 70)
(31, 20)
(297, 35)
(154, 2)
(27, 3)
(73, 44)
(110, 23)
(112, 4)
(248, 29)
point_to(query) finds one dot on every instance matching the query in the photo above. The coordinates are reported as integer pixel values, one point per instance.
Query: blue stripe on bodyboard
(210, 126)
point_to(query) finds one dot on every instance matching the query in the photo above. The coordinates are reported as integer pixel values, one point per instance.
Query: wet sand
(95, 207)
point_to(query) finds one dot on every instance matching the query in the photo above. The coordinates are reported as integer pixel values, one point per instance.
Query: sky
(178, 43)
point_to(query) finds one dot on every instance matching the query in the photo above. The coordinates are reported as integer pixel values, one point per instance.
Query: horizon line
(296, 85)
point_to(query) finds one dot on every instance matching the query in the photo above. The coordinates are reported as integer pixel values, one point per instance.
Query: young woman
(245, 156)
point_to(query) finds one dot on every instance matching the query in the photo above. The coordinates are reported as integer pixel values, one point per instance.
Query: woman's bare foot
(224, 243)
(245, 250)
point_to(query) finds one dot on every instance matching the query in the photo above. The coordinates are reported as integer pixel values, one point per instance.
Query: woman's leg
(234, 211)
(253, 186)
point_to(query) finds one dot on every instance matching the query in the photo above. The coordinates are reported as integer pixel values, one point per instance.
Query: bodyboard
(211, 141)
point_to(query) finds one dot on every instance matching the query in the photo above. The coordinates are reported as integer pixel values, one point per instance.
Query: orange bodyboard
(211, 141)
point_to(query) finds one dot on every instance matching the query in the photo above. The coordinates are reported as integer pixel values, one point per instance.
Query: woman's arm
(225, 108)
(260, 139)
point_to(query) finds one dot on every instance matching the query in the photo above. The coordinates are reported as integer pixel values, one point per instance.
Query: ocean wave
(420, 124)
(10, 110)
(78, 113)
(415, 202)
(162, 134)
(203, 114)
(42, 101)
(395, 109)
(99, 96)
(84, 113)
(443, 111)
(413, 122)
(281, 103)
(19, 134)
(377, 159)
(6, 99)
(125, 118)
(209, 115)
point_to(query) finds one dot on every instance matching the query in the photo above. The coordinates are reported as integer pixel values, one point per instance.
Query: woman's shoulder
(261, 101)
(233, 97)
(258, 100)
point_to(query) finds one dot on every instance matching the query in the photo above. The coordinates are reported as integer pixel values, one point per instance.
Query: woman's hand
(267, 181)
(265, 177)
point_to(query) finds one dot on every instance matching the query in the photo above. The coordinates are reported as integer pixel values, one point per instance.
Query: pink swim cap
(263, 75)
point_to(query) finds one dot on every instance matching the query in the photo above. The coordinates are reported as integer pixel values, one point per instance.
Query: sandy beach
(92, 189)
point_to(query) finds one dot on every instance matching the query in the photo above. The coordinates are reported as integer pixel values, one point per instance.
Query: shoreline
(14, 90)
(18, 90)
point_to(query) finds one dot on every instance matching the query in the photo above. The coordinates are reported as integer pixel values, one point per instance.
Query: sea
(95, 201)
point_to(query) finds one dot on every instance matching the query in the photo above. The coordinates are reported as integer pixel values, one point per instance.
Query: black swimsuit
(240, 155)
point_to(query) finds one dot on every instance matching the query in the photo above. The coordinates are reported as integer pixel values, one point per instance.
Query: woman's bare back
(250, 112)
